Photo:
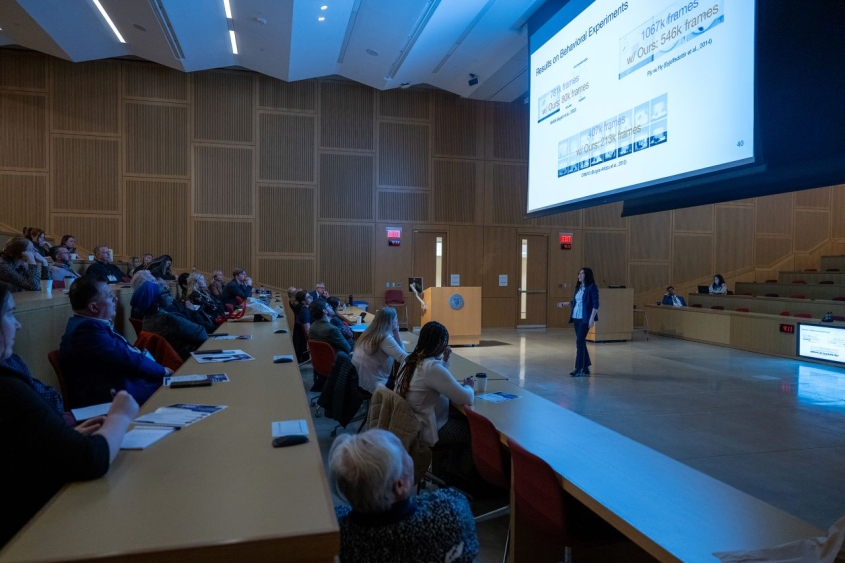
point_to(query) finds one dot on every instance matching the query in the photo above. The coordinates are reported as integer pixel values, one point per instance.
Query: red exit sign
(565, 241)
(789, 329)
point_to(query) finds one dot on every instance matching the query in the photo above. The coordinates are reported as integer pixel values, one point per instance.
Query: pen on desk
(211, 351)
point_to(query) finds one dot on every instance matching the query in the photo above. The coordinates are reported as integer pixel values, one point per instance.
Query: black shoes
(576, 373)
(586, 371)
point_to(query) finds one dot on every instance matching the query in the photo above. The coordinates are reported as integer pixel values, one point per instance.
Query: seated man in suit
(103, 266)
(97, 361)
(671, 299)
(319, 291)
(240, 286)
(323, 330)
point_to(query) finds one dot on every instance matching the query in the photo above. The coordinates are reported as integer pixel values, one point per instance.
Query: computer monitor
(416, 283)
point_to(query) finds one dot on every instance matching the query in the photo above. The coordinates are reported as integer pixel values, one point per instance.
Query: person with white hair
(385, 522)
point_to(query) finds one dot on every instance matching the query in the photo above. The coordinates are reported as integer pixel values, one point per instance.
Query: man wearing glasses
(60, 268)
(319, 292)
(671, 299)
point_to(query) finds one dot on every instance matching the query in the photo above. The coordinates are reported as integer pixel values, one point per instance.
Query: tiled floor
(771, 427)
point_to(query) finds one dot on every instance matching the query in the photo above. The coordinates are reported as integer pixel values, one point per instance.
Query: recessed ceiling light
(108, 20)
(139, 27)
(321, 18)
(372, 52)
(324, 7)
(228, 9)
(234, 42)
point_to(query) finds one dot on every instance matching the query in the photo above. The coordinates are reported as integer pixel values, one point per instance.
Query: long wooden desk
(770, 305)
(838, 278)
(809, 290)
(833, 261)
(214, 491)
(672, 511)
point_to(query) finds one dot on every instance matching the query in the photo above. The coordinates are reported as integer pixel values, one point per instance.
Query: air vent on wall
(167, 29)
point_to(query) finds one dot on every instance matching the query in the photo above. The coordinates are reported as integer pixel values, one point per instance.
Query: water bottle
(350, 300)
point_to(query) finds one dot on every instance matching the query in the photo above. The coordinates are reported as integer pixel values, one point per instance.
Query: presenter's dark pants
(582, 357)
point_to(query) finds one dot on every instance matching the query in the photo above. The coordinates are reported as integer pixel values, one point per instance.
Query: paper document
(220, 356)
(232, 337)
(288, 427)
(178, 415)
(214, 378)
(142, 438)
(499, 397)
(90, 412)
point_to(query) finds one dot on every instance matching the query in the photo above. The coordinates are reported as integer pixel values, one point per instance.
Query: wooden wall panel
(394, 264)
(606, 253)
(466, 254)
(564, 266)
(506, 196)
(818, 198)
(458, 127)
(498, 312)
(454, 186)
(837, 211)
(86, 97)
(23, 69)
(692, 258)
(774, 214)
(223, 245)
(403, 155)
(157, 140)
(286, 147)
(509, 130)
(651, 236)
(734, 239)
(223, 180)
(155, 82)
(25, 200)
(223, 106)
(286, 219)
(811, 229)
(278, 94)
(90, 231)
(402, 206)
(155, 202)
(286, 272)
(23, 131)
(694, 219)
(606, 217)
(346, 116)
(346, 186)
(648, 277)
(345, 258)
(404, 104)
(86, 174)
(771, 250)
(500, 257)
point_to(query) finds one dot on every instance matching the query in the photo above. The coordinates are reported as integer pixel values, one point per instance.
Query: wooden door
(532, 305)
(430, 258)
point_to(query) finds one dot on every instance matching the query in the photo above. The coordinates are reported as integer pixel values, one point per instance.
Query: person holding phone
(585, 308)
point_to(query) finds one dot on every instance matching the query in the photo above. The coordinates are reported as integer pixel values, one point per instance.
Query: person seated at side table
(240, 286)
(377, 349)
(338, 322)
(303, 313)
(218, 283)
(20, 265)
(160, 268)
(96, 360)
(60, 268)
(69, 242)
(384, 522)
(322, 330)
(183, 335)
(671, 299)
(39, 242)
(103, 266)
(719, 286)
(199, 295)
(44, 453)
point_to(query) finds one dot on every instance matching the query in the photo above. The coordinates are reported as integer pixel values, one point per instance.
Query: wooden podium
(464, 323)
(616, 315)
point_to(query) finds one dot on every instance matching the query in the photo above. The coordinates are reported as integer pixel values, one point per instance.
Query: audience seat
(798, 296)
(785, 314)
(804, 315)
(837, 318)
(300, 343)
(838, 299)
(137, 324)
(798, 281)
(53, 356)
(322, 360)
(717, 308)
(747, 294)
(697, 305)
(743, 310)
(771, 295)
(826, 282)
(396, 299)
(160, 349)
(810, 270)
(771, 281)
(832, 270)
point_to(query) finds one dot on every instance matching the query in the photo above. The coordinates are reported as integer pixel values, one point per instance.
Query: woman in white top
(376, 350)
(719, 286)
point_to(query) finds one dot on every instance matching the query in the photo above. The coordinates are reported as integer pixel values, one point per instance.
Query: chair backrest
(717, 308)
(322, 357)
(810, 270)
(771, 281)
(58, 284)
(826, 282)
(341, 396)
(697, 305)
(137, 324)
(798, 296)
(394, 297)
(488, 455)
(53, 356)
(798, 281)
(804, 315)
(300, 342)
(160, 349)
(838, 299)
(771, 295)
(537, 494)
(832, 270)
(837, 318)
(743, 310)
(785, 314)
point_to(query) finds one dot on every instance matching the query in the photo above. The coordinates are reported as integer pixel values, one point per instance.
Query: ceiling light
(139, 27)
(324, 7)
(228, 9)
(372, 52)
(108, 20)
(234, 42)
(321, 18)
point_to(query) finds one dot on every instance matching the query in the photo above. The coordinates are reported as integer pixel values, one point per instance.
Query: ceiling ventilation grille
(416, 31)
(167, 29)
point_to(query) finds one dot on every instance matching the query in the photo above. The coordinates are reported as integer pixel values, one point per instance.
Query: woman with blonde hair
(377, 348)
(218, 282)
(198, 294)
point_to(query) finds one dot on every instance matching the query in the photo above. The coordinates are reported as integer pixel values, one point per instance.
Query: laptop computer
(704, 289)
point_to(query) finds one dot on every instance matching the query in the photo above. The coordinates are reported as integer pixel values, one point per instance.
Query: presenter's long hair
(588, 279)
(433, 341)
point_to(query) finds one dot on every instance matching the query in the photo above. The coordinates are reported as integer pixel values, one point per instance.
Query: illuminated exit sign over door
(565, 241)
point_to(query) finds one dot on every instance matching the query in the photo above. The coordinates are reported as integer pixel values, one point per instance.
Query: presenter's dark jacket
(590, 302)
(234, 289)
(667, 300)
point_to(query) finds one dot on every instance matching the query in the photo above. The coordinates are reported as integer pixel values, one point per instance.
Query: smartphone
(183, 384)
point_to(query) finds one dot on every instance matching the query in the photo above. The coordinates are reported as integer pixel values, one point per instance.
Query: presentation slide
(821, 342)
(632, 93)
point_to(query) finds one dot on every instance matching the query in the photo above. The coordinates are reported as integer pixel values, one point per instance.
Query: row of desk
(816, 308)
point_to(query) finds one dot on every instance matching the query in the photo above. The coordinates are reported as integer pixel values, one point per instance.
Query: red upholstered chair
(838, 299)
(717, 308)
(322, 360)
(160, 349)
(804, 315)
(826, 282)
(832, 270)
(747, 293)
(137, 324)
(396, 299)
(742, 310)
(771, 295)
(837, 318)
(60, 376)
(771, 281)
(798, 281)
(810, 270)
(785, 314)
(58, 284)
(798, 296)
(697, 305)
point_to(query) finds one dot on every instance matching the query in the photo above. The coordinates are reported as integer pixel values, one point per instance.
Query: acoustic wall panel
(25, 201)
(86, 97)
(510, 130)
(607, 253)
(86, 174)
(346, 186)
(458, 126)
(500, 258)
(506, 193)
(278, 94)
(157, 140)
(498, 312)
(403, 155)
(222, 180)
(223, 245)
(771, 250)
(402, 206)
(651, 236)
(23, 69)
(648, 277)
(287, 272)
(837, 211)
(155, 82)
(286, 219)
(692, 258)
(466, 254)
(811, 229)
(90, 231)
(694, 219)
(608, 216)
(404, 104)
(23, 131)
(734, 239)
(774, 214)
(818, 198)
(346, 116)
(156, 224)
(223, 107)
(286, 147)
(345, 258)
(454, 190)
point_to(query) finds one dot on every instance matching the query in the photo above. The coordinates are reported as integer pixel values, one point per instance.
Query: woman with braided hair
(427, 385)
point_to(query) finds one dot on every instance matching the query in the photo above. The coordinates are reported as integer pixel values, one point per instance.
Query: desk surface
(218, 484)
(671, 510)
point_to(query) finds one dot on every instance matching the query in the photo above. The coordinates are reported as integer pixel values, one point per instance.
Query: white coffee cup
(47, 287)
(480, 383)
(90, 257)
